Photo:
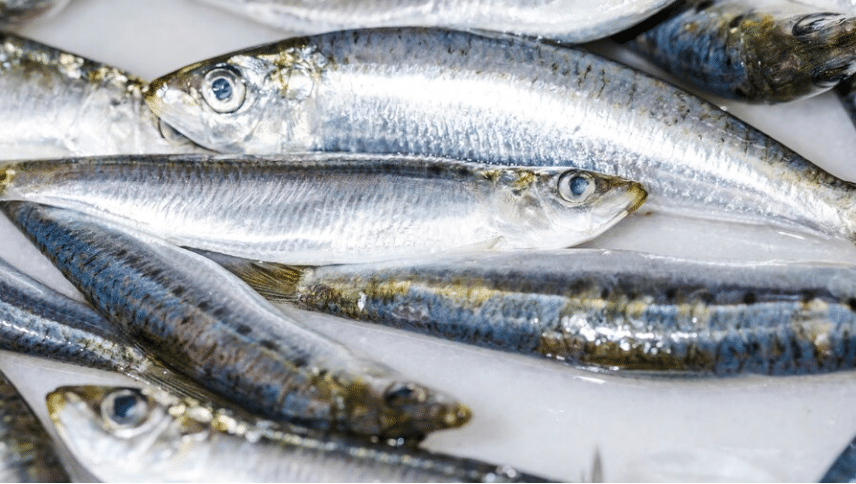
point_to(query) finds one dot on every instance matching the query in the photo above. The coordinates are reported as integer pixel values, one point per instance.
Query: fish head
(123, 433)
(399, 410)
(243, 103)
(555, 207)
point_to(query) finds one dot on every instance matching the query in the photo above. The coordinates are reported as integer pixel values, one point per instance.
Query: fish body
(55, 103)
(16, 12)
(26, 450)
(617, 310)
(756, 51)
(206, 324)
(505, 101)
(131, 435)
(565, 20)
(331, 208)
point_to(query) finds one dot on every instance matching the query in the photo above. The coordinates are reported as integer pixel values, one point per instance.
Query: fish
(768, 51)
(123, 434)
(56, 103)
(38, 321)
(604, 310)
(204, 323)
(843, 468)
(26, 451)
(571, 21)
(321, 208)
(502, 100)
(17, 12)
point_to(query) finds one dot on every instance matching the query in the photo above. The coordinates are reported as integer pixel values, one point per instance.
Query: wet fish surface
(843, 469)
(331, 208)
(565, 20)
(181, 440)
(206, 324)
(765, 51)
(26, 450)
(55, 103)
(618, 310)
(506, 101)
(16, 12)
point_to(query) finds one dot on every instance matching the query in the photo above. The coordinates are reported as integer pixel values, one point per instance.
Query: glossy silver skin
(564, 20)
(55, 103)
(207, 325)
(26, 450)
(16, 12)
(153, 436)
(766, 51)
(509, 101)
(322, 208)
(613, 310)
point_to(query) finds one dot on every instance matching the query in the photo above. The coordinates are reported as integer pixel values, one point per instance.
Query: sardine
(26, 450)
(616, 310)
(756, 51)
(205, 323)
(129, 434)
(564, 20)
(330, 208)
(55, 103)
(501, 100)
(16, 12)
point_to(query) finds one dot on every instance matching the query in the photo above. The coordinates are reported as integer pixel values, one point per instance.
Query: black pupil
(578, 185)
(222, 88)
(122, 406)
(400, 393)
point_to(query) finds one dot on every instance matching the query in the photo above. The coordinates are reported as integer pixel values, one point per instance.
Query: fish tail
(275, 282)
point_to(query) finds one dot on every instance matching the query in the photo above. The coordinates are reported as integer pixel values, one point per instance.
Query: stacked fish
(421, 178)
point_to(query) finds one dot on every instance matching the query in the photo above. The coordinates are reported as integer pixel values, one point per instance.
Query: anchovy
(129, 434)
(766, 51)
(617, 310)
(501, 100)
(206, 324)
(26, 450)
(55, 103)
(572, 21)
(843, 469)
(331, 208)
(16, 12)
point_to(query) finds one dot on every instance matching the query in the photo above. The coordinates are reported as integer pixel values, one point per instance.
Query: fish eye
(223, 89)
(124, 409)
(576, 187)
(402, 393)
(816, 22)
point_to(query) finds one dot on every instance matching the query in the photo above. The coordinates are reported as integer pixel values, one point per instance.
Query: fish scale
(208, 326)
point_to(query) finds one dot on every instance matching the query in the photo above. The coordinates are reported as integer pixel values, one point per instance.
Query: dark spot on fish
(735, 22)
(243, 329)
(852, 303)
(178, 291)
(703, 5)
(807, 296)
(435, 170)
(185, 320)
(740, 92)
(671, 293)
(299, 362)
(266, 343)
(604, 293)
(750, 298)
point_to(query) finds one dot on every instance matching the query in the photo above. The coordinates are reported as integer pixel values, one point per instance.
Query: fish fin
(274, 281)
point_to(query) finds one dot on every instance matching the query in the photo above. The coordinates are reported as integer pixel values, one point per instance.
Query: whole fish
(133, 435)
(331, 208)
(617, 310)
(206, 324)
(16, 12)
(572, 21)
(26, 450)
(756, 51)
(55, 103)
(501, 100)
